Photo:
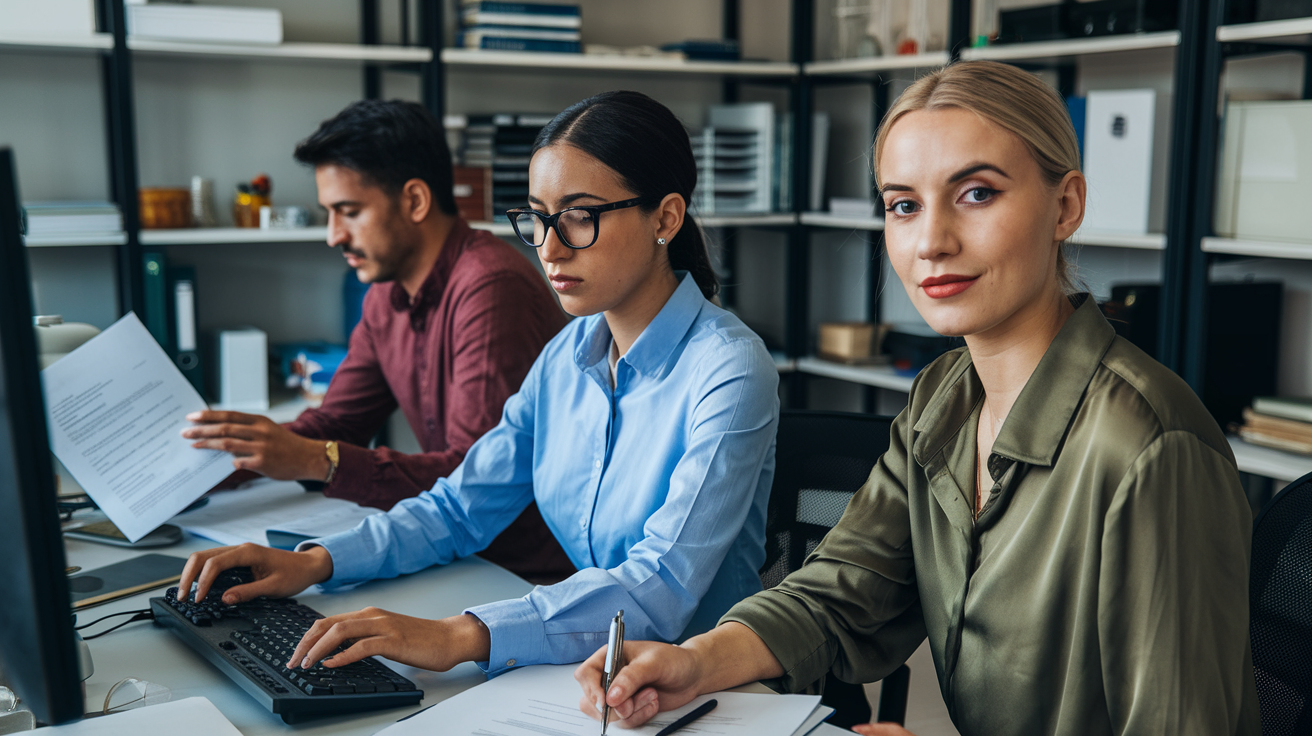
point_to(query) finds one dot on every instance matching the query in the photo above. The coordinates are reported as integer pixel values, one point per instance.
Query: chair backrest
(821, 459)
(1280, 610)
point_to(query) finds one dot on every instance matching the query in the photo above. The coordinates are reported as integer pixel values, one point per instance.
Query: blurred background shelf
(1268, 461)
(230, 235)
(824, 219)
(312, 51)
(606, 63)
(874, 65)
(1075, 47)
(1261, 248)
(30, 42)
(1296, 30)
(879, 376)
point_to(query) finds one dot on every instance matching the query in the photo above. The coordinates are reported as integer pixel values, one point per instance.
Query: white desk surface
(146, 652)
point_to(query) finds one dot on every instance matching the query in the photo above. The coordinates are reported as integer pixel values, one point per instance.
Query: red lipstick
(942, 287)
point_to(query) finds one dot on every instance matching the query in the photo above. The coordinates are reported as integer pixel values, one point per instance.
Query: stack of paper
(68, 218)
(205, 23)
(534, 701)
(279, 514)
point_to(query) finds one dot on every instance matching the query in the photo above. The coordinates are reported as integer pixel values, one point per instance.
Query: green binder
(156, 306)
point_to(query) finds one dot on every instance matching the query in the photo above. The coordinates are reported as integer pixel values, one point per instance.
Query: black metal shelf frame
(1191, 179)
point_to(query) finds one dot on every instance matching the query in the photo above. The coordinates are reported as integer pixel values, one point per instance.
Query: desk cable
(144, 614)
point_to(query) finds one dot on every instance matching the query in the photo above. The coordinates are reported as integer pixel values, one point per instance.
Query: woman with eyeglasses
(1057, 512)
(644, 432)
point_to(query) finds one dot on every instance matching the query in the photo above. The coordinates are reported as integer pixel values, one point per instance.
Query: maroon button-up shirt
(449, 358)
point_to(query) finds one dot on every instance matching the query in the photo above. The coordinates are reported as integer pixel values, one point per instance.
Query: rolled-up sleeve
(853, 608)
(1173, 601)
(665, 575)
(458, 517)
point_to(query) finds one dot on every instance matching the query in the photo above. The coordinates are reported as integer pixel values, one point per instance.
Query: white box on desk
(205, 23)
(1118, 160)
(48, 17)
(1264, 178)
(243, 369)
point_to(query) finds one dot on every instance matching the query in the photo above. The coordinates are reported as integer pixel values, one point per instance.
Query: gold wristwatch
(333, 458)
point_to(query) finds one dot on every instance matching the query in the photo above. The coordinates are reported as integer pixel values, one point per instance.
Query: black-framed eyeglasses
(577, 227)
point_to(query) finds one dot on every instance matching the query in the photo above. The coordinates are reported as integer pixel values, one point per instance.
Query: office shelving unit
(1196, 50)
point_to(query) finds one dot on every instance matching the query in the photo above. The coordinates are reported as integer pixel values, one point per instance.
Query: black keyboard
(252, 642)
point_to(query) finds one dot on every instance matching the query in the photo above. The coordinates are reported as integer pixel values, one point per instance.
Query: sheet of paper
(544, 701)
(116, 408)
(248, 514)
(195, 716)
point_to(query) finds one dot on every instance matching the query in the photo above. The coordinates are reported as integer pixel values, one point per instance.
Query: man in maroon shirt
(450, 329)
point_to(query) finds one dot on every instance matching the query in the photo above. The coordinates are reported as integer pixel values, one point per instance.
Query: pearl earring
(660, 241)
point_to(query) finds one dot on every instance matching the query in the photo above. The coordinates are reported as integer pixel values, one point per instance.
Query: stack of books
(53, 219)
(504, 26)
(504, 143)
(205, 23)
(1285, 424)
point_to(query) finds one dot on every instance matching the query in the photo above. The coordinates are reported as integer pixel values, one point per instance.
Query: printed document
(543, 700)
(116, 408)
(277, 513)
(197, 716)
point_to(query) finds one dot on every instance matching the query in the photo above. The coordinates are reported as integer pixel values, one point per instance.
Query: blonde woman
(1056, 512)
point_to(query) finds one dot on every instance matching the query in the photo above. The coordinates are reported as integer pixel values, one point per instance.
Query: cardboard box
(847, 341)
(1118, 160)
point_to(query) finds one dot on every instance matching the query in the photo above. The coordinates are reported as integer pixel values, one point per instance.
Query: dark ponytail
(646, 145)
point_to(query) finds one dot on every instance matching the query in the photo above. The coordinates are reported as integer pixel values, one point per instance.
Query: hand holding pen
(614, 660)
(655, 677)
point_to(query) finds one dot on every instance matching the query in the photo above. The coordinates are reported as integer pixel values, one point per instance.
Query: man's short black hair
(388, 143)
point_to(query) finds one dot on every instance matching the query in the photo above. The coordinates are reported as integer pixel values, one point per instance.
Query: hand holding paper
(116, 407)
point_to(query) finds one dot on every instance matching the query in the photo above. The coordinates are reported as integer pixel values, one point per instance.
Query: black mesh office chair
(1280, 610)
(821, 460)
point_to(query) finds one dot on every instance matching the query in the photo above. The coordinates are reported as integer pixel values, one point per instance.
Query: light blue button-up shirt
(656, 488)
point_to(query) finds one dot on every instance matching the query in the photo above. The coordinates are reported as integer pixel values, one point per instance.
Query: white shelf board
(503, 229)
(876, 64)
(1151, 241)
(231, 235)
(1075, 47)
(599, 63)
(761, 220)
(319, 51)
(80, 42)
(783, 363)
(882, 376)
(824, 219)
(1268, 461)
(1294, 30)
(75, 239)
(1263, 248)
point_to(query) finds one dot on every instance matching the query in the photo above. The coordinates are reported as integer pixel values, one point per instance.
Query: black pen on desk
(614, 660)
(696, 713)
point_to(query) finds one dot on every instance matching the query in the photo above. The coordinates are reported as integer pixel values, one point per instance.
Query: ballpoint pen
(614, 658)
(687, 720)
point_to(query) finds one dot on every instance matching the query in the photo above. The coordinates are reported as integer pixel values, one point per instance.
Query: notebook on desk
(543, 699)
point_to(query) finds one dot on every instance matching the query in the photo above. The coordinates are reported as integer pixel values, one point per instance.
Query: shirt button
(597, 464)
(583, 522)
(510, 663)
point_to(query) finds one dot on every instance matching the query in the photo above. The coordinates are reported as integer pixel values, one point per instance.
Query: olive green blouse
(1103, 589)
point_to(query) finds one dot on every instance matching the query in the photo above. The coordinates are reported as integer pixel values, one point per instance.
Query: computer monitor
(38, 652)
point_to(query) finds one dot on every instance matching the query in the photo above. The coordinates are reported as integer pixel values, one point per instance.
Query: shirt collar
(1037, 422)
(430, 291)
(652, 350)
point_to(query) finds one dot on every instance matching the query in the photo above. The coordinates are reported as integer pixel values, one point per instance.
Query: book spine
(495, 6)
(155, 290)
(1283, 409)
(478, 18)
(530, 44)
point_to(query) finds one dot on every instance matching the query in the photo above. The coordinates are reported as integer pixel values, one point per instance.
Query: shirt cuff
(518, 635)
(355, 466)
(347, 550)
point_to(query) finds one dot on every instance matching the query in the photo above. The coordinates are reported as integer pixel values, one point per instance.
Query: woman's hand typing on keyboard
(433, 645)
(277, 573)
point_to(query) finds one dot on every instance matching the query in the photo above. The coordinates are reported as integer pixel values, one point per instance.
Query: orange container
(165, 207)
